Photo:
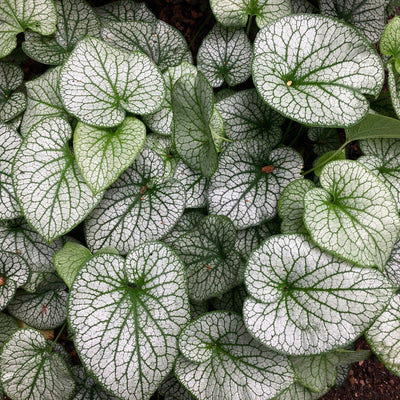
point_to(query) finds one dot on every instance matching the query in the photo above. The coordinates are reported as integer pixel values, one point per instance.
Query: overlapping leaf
(45, 374)
(53, 196)
(218, 350)
(103, 154)
(319, 76)
(171, 389)
(138, 207)
(246, 116)
(353, 215)
(249, 180)
(99, 83)
(9, 144)
(327, 139)
(134, 308)
(17, 15)
(304, 301)
(394, 87)
(389, 44)
(393, 265)
(225, 56)
(8, 325)
(231, 301)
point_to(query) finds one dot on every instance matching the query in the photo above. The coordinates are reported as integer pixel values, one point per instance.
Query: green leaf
(161, 121)
(384, 336)
(134, 307)
(30, 370)
(353, 215)
(69, 260)
(193, 106)
(394, 87)
(45, 309)
(99, 83)
(327, 139)
(12, 98)
(43, 100)
(320, 162)
(246, 116)
(368, 16)
(218, 350)
(16, 16)
(164, 44)
(103, 154)
(323, 84)
(19, 237)
(390, 40)
(249, 181)
(14, 272)
(291, 207)
(9, 144)
(383, 103)
(212, 265)
(137, 208)
(8, 325)
(52, 194)
(235, 12)
(304, 301)
(225, 55)
(76, 19)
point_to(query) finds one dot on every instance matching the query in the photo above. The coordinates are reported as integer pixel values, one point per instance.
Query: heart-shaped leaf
(353, 215)
(43, 99)
(12, 99)
(246, 116)
(29, 370)
(193, 107)
(368, 16)
(384, 336)
(138, 207)
(124, 11)
(76, 19)
(134, 307)
(103, 154)
(53, 196)
(225, 55)
(327, 139)
(45, 309)
(389, 44)
(9, 144)
(323, 83)
(14, 272)
(16, 16)
(164, 44)
(212, 265)
(161, 121)
(218, 349)
(304, 301)
(236, 12)
(291, 206)
(249, 180)
(99, 83)
(8, 325)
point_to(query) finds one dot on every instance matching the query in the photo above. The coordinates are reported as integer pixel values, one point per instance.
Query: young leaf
(99, 83)
(368, 16)
(16, 16)
(164, 44)
(76, 19)
(135, 308)
(218, 350)
(246, 116)
(327, 139)
(45, 374)
(235, 12)
(69, 260)
(390, 40)
(52, 194)
(212, 265)
(291, 207)
(304, 301)
(225, 55)
(353, 215)
(193, 106)
(316, 77)
(12, 99)
(103, 154)
(384, 336)
(14, 272)
(249, 180)
(137, 208)
(9, 144)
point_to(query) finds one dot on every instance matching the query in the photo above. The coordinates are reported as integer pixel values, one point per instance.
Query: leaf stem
(287, 131)
(249, 25)
(58, 336)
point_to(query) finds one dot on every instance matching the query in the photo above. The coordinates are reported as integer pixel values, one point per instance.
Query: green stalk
(58, 336)
(249, 25)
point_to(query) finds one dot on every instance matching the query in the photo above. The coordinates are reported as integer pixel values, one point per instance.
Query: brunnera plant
(197, 230)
